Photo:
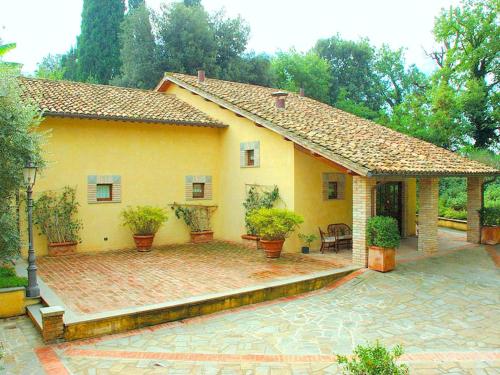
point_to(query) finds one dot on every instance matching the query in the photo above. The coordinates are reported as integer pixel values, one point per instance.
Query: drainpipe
(483, 188)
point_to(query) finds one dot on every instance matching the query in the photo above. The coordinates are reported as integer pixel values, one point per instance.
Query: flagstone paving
(444, 310)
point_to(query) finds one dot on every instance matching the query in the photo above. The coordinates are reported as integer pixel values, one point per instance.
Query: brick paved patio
(91, 283)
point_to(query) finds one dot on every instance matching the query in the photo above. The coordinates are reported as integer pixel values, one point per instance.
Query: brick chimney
(280, 99)
(201, 76)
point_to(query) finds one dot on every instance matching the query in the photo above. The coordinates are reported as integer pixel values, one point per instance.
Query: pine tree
(98, 46)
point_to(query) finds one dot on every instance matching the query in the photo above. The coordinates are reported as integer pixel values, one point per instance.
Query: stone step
(35, 315)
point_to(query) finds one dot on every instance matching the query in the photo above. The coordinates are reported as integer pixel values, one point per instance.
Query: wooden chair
(327, 241)
(342, 234)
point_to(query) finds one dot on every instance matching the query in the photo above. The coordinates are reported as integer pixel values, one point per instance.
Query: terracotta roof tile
(76, 99)
(373, 148)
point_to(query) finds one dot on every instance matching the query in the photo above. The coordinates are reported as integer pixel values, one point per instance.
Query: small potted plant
(197, 218)
(307, 239)
(383, 239)
(144, 222)
(490, 228)
(55, 214)
(273, 226)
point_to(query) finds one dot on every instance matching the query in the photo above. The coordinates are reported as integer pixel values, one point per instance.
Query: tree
(98, 47)
(294, 70)
(186, 39)
(18, 144)
(250, 68)
(138, 51)
(134, 4)
(352, 71)
(50, 68)
(469, 63)
(69, 62)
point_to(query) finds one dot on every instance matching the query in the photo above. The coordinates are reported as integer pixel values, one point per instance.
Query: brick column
(473, 207)
(362, 188)
(428, 215)
(52, 323)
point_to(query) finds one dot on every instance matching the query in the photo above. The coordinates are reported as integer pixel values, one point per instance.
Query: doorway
(390, 201)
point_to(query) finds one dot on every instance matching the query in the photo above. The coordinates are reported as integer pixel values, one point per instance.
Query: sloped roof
(361, 145)
(85, 100)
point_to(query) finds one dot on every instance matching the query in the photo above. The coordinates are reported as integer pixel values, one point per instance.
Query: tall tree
(469, 62)
(138, 51)
(134, 4)
(98, 46)
(294, 70)
(50, 68)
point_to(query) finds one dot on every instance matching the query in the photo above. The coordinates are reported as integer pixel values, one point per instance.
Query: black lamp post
(29, 173)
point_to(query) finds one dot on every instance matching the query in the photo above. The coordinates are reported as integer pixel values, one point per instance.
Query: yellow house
(207, 141)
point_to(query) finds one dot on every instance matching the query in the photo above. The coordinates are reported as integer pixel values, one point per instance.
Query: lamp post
(29, 173)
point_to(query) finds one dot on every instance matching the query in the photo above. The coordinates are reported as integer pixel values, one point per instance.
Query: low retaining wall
(452, 223)
(12, 302)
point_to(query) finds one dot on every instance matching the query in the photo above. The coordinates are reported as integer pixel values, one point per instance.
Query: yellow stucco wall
(12, 302)
(152, 160)
(411, 206)
(276, 165)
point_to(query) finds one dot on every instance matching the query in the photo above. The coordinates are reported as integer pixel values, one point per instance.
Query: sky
(51, 26)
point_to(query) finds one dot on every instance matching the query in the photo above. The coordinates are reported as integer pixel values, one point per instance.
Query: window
(198, 190)
(333, 190)
(250, 158)
(104, 192)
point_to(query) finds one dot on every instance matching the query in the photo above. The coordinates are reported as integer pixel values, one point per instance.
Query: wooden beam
(325, 160)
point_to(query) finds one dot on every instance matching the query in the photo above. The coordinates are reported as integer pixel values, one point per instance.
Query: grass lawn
(9, 279)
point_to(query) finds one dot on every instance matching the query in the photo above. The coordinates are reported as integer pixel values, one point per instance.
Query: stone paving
(444, 310)
(92, 283)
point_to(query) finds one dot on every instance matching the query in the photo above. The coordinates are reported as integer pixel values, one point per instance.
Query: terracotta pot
(144, 242)
(490, 235)
(250, 238)
(61, 248)
(272, 248)
(201, 237)
(381, 259)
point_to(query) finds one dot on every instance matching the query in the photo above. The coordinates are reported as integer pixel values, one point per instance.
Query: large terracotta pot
(144, 242)
(272, 248)
(382, 259)
(56, 249)
(201, 237)
(490, 235)
(251, 239)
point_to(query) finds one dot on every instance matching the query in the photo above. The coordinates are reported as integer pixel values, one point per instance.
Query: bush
(373, 360)
(383, 231)
(197, 218)
(144, 220)
(308, 239)
(490, 216)
(9, 278)
(256, 199)
(55, 215)
(274, 223)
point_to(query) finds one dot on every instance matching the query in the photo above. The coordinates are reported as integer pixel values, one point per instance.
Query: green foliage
(274, 223)
(144, 220)
(257, 198)
(9, 279)
(308, 239)
(18, 143)
(490, 216)
(197, 218)
(56, 215)
(98, 46)
(293, 70)
(50, 68)
(383, 231)
(373, 359)
(138, 51)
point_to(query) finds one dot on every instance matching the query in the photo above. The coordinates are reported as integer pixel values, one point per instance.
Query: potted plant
(254, 200)
(383, 238)
(490, 228)
(144, 222)
(307, 239)
(274, 225)
(55, 215)
(197, 218)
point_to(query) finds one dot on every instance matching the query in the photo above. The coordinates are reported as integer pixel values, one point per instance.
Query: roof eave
(358, 169)
(432, 174)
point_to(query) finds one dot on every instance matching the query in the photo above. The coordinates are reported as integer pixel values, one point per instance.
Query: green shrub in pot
(383, 231)
(144, 222)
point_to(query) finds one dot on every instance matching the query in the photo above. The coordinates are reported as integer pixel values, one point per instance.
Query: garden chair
(327, 241)
(342, 234)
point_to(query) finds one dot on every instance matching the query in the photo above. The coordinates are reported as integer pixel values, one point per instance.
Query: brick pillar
(428, 215)
(362, 188)
(52, 323)
(473, 207)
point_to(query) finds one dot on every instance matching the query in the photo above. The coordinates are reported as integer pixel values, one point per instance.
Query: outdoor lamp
(29, 173)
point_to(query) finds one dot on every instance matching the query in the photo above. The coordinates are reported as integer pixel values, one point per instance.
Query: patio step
(35, 315)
